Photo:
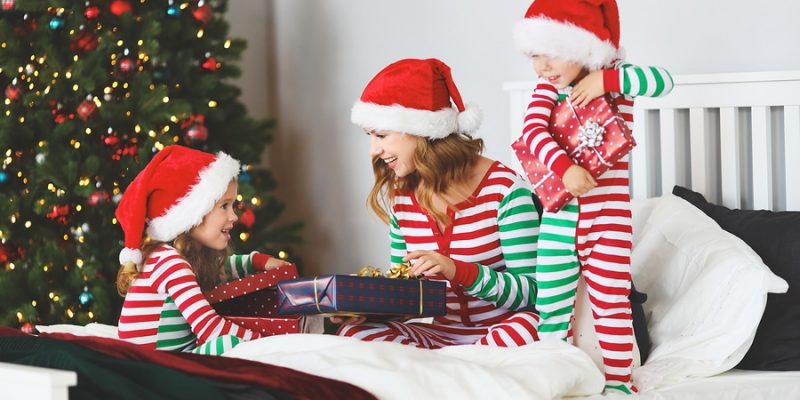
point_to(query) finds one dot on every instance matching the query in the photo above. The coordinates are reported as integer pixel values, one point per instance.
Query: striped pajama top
(164, 308)
(492, 239)
(622, 83)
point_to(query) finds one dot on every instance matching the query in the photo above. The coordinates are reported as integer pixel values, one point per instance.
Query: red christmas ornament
(8, 4)
(5, 253)
(197, 134)
(126, 65)
(111, 140)
(84, 43)
(28, 328)
(13, 92)
(128, 150)
(91, 12)
(119, 7)
(210, 64)
(203, 13)
(59, 213)
(248, 218)
(98, 197)
(86, 109)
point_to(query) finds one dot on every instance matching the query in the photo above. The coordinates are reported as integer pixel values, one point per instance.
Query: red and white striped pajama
(591, 236)
(492, 239)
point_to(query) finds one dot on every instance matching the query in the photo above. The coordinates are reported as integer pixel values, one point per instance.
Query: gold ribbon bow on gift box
(397, 271)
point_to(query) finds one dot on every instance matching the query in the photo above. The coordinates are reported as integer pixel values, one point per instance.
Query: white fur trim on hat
(544, 36)
(396, 118)
(130, 255)
(470, 119)
(189, 210)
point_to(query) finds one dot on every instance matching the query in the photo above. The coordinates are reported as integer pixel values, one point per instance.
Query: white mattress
(731, 385)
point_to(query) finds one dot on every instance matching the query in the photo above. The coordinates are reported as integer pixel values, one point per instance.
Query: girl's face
(560, 73)
(395, 149)
(215, 230)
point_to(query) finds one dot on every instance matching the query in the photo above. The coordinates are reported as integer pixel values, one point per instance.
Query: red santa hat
(582, 31)
(171, 195)
(413, 96)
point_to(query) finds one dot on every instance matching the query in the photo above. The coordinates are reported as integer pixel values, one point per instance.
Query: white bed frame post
(735, 138)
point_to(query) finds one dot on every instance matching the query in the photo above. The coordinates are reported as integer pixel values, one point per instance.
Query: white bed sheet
(731, 385)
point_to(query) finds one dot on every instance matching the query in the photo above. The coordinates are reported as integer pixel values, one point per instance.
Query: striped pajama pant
(591, 236)
(518, 330)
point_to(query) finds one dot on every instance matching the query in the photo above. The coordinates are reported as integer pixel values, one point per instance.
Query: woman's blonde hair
(207, 263)
(442, 167)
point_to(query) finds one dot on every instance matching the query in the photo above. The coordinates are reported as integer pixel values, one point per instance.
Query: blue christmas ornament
(174, 11)
(86, 298)
(3, 176)
(56, 23)
(245, 177)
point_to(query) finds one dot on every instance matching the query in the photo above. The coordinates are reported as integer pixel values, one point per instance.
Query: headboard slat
(669, 165)
(791, 116)
(730, 159)
(762, 158)
(639, 163)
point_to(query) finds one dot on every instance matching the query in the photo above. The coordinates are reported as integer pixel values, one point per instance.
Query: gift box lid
(251, 283)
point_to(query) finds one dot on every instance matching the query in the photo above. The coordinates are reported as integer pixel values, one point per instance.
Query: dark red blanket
(294, 383)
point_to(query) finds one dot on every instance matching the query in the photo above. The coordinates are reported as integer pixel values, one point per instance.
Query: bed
(730, 137)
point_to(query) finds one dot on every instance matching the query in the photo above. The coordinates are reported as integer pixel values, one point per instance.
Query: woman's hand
(578, 180)
(588, 89)
(427, 263)
(348, 320)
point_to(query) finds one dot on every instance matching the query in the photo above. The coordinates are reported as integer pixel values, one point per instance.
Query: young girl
(186, 198)
(455, 215)
(576, 43)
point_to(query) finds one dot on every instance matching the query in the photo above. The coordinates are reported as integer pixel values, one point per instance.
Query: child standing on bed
(455, 215)
(186, 198)
(574, 46)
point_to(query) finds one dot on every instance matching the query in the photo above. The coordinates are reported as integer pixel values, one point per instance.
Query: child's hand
(264, 262)
(578, 180)
(348, 320)
(426, 262)
(588, 89)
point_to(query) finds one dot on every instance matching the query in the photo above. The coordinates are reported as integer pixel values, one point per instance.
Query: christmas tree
(91, 91)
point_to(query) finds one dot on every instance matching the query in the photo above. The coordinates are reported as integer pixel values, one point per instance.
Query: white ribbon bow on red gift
(590, 134)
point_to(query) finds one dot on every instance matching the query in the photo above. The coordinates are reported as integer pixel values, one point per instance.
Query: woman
(453, 214)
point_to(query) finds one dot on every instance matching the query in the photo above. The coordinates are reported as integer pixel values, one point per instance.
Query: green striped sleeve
(645, 81)
(398, 243)
(518, 227)
(239, 266)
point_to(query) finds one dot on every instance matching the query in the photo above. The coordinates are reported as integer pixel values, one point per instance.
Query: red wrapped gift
(252, 296)
(269, 326)
(594, 136)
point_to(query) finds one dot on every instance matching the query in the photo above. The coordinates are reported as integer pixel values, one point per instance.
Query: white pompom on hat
(171, 195)
(414, 96)
(582, 31)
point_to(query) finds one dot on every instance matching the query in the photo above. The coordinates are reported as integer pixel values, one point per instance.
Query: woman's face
(395, 149)
(215, 230)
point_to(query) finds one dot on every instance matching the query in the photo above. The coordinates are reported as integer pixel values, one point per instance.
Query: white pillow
(706, 292)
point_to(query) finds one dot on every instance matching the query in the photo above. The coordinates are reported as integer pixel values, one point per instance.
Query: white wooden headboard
(735, 138)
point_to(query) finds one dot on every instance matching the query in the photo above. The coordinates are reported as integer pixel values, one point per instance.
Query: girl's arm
(634, 80)
(241, 265)
(177, 278)
(536, 132)
(515, 287)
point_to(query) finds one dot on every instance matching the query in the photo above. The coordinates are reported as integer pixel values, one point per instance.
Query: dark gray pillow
(775, 236)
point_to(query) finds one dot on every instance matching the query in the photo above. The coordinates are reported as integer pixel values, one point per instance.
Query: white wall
(308, 60)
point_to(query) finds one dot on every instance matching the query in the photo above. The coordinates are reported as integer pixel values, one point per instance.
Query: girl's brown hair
(207, 264)
(442, 168)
